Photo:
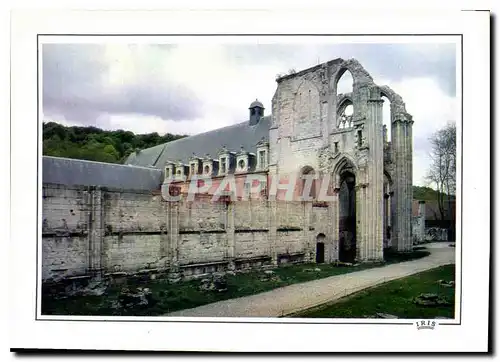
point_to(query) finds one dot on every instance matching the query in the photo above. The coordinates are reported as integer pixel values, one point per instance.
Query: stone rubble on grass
(342, 263)
(431, 300)
(445, 283)
(270, 275)
(217, 282)
(96, 288)
(128, 299)
(381, 316)
(386, 316)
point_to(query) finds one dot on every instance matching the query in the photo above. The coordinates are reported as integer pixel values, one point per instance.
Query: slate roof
(256, 103)
(233, 137)
(66, 171)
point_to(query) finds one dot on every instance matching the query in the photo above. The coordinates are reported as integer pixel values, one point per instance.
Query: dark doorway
(347, 217)
(320, 253)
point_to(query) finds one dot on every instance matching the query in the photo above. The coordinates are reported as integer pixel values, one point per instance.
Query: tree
(442, 172)
(91, 143)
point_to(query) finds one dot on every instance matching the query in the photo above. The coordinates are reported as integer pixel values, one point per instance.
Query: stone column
(361, 222)
(325, 123)
(334, 214)
(390, 217)
(173, 232)
(306, 233)
(409, 181)
(96, 231)
(374, 201)
(386, 217)
(403, 191)
(230, 233)
(272, 233)
(164, 237)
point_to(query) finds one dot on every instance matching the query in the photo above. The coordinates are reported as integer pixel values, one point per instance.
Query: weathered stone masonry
(103, 220)
(99, 231)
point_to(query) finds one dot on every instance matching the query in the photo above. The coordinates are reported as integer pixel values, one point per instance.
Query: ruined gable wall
(299, 114)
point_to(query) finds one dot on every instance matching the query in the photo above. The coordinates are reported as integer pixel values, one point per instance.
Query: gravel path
(296, 297)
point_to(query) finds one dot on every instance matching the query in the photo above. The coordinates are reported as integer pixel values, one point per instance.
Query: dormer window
(223, 163)
(169, 171)
(209, 166)
(262, 158)
(262, 154)
(244, 160)
(227, 161)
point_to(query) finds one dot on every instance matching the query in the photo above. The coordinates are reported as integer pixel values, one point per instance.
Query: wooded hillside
(95, 144)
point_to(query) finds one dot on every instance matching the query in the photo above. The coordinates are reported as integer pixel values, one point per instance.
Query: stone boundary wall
(95, 232)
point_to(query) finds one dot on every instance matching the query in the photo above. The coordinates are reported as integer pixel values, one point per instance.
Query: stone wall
(203, 247)
(132, 252)
(92, 231)
(65, 231)
(64, 256)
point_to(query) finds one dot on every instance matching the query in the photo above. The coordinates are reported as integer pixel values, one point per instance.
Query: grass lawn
(395, 297)
(167, 297)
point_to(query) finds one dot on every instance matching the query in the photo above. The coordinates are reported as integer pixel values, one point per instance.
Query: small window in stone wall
(336, 147)
(179, 172)
(192, 169)
(167, 172)
(360, 138)
(223, 165)
(207, 169)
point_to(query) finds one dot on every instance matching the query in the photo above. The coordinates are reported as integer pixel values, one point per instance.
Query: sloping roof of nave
(66, 171)
(233, 137)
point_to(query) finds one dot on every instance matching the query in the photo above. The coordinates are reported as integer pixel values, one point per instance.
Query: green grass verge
(169, 297)
(395, 297)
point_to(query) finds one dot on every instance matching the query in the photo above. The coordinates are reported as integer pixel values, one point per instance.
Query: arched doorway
(347, 217)
(320, 248)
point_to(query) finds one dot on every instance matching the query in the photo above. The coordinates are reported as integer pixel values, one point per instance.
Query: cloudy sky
(192, 88)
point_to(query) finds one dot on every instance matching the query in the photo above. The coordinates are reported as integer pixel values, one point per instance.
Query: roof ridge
(102, 163)
(200, 134)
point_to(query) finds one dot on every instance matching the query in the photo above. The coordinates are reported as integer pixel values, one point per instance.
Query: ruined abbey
(307, 182)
